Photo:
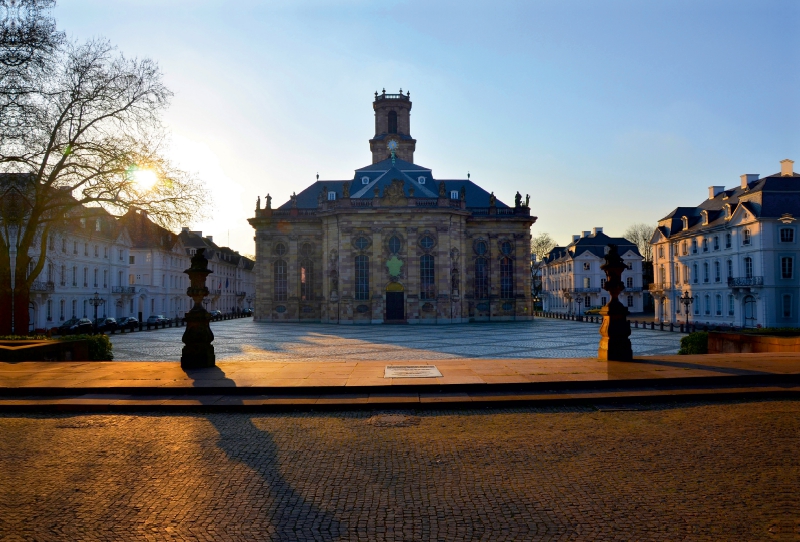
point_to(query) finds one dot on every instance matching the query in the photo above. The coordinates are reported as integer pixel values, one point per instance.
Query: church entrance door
(395, 303)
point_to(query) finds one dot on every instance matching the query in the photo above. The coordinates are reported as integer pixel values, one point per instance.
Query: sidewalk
(162, 386)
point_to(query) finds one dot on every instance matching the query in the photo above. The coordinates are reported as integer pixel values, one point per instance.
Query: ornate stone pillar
(198, 351)
(615, 330)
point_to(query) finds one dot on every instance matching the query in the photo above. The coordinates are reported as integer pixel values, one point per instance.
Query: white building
(734, 254)
(572, 280)
(231, 284)
(156, 268)
(87, 256)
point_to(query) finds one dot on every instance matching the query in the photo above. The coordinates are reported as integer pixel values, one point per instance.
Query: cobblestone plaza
(247, 340)
(696, 472)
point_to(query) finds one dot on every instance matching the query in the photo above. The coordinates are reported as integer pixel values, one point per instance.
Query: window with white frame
(745, 237)
(707, 304)
(694, 246)
(728, 242)
(694, 272)
(661, 251)
(454, 194)
(717, 272)
(421, 180)
(331, 195)
(705, 245)
(730, 269)
(748, 267)
(718, 302)
(629, 283)
(787, 265)
(731, 305)
(705, 272)
(696, 303)
(716, 242)
(630, 301)
(364, 180)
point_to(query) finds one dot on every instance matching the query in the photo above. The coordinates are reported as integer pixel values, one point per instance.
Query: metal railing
(734, 282)
(391, 97)
(41, 286)
(123, 289)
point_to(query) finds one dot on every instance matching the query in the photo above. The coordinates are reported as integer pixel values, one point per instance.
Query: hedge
(694, 343)
(100, 347)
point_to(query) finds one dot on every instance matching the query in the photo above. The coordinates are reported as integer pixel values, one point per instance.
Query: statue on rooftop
(269, 202)
(518, 200)
(492, 200)
(258, 203)
(442, 190)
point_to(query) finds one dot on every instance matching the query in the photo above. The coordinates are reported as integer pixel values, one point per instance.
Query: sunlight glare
(145, 178)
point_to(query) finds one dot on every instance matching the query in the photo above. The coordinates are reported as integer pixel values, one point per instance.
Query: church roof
(381, 174)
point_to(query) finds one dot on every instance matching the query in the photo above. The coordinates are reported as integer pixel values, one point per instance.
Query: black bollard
(671, 328)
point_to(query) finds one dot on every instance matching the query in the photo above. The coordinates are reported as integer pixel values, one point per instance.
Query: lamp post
(250, 298)
(687, 300)
(95, 302)
(579, 300)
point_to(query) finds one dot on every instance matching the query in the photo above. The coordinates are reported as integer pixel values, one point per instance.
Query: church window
(280, 281)
(392, 122)
(280, 249)
(361, 243)
(481, 278)
(421, 180)
(394, 244)
(506, 278)
(480, 248)
(427, 242)
(505, 248)
(331, 195)
(454, 194)
(364, 180)
(306, 280)
(362, 278)
(427, 277)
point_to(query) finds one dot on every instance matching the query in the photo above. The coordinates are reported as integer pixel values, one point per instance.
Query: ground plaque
(411, 371)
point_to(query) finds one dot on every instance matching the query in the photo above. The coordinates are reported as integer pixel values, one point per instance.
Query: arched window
(392, 122)
(362, 243)
(707, 304)
(506, 278)
(280, 249)
(279, 281)
(717, 273)
(481, 278)
(718, 301)
(394, 244)
(480, 248)
(306, 280)
(506, 248)
(748, 267)
(427, 277)
(694, 272)
(362, 278)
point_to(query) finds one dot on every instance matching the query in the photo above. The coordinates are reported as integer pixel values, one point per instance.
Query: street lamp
(687, 300)
(95, 302)
(579, 300)
(250, 298)
(205, 303)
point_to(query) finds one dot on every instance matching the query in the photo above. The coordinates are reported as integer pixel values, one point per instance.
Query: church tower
(392, 123)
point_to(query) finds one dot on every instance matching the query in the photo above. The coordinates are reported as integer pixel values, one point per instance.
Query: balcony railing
(123, 290)
(241, 294)
(41, 286)
(385, 96)
(215, 292)
(738, 282)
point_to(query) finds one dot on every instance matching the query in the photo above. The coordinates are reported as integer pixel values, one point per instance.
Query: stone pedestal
(198, 351)
(615, 344)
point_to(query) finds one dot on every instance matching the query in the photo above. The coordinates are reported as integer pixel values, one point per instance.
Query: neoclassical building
(393, 244)
(734, 255)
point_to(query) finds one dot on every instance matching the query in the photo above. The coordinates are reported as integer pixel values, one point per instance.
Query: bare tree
(541, 245)
(80, 127)
(640, 235)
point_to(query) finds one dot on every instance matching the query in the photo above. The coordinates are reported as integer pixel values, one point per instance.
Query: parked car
(64, 328)
(128, 322)
(215, 313)
(83, 325)
(155, 319)
(247, 312)
(107, 324)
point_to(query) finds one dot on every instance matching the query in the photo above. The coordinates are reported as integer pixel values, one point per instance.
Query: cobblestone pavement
(690, 472)
(244, 340)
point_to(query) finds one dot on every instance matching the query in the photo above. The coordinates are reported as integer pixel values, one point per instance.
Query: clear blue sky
(606, 112)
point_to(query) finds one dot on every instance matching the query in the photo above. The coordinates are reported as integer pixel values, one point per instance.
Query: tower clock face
(392, 146)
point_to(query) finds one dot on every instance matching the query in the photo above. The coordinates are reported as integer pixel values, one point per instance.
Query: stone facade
(393, 245)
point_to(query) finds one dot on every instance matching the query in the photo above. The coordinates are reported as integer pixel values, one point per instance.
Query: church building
(393, 244)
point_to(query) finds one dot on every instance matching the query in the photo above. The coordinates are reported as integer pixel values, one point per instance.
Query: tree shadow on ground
(291, 515)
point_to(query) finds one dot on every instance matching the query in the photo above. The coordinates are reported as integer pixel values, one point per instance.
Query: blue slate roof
(381, 174)
(595, 244)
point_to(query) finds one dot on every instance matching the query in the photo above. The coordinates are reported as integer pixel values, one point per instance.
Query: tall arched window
(506, 278)
(748, 267)
(392, 122)
(730, 269)
(306, 280)
(481, 278)
(427, 277)
(280, 283)
(362, 278)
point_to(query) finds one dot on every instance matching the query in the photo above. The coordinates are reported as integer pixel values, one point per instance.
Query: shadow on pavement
(291, 515)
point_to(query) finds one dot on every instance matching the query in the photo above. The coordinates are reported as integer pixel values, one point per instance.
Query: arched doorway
(749, 311)
(395, 303)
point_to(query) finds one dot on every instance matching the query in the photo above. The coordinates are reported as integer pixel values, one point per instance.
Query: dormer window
(685, 222)
(364, 180)
(331, 196)
(728, 211)
(454, 194)
(421, 180)
(704, 214)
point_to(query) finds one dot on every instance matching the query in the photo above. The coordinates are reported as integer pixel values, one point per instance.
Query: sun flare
(145, 178)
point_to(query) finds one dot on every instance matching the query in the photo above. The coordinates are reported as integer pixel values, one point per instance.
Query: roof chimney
(714, 190)
(747, 178)
(595, 231)
(185, 229)
(786, 168)
(586, 233)
(575, 238)
(210, 238)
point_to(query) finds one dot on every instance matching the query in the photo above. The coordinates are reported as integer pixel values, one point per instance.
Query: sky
(607, 112)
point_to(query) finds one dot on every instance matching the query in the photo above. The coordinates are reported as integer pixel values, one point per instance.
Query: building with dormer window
(393, 244)
(735, 255)
(573, 282)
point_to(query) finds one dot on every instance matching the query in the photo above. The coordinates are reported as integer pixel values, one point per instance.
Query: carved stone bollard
(198, 351)
(615, 344)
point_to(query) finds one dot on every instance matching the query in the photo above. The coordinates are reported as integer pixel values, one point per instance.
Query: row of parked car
(77, 326)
